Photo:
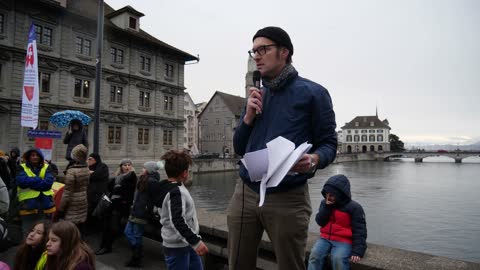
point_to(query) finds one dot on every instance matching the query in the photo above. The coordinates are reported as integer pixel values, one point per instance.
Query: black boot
(103, 250)
(136, 260)
(132, 257)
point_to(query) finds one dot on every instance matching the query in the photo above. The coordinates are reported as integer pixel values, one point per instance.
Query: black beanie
(277, 35)
(96, 157)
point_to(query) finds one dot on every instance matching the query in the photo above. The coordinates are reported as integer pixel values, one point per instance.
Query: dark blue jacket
(143, 204)
(301, 111)
(344, 219)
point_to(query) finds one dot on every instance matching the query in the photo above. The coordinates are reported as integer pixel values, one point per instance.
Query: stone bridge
(420, 155)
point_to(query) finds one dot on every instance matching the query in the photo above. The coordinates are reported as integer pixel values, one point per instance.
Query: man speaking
(300, 111)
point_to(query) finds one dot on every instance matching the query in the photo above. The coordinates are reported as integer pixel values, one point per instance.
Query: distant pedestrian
(14, 162)
(53, 168)
(121, 189)
(141, 211)
(73, 205)
(97, 185)
(66, 250)
(74, 136)
(35, 194)
(30, 255)
(182, 244)
(343, 231)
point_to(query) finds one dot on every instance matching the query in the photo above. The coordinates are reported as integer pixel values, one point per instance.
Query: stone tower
(249, 76)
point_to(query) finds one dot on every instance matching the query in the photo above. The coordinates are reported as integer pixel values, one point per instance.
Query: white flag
(30, 89)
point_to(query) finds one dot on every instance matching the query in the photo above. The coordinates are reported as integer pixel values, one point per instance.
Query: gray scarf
(287, 73)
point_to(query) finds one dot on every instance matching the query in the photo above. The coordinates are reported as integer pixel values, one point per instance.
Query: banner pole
(22, 142)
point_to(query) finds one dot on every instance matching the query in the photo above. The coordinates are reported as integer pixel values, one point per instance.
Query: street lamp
(98, 78)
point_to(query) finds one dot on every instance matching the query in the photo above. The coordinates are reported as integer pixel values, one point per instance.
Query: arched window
(379, 138)
(372, 148)
(380, 148)
(349, 138)
(356, 138)
(364, 138)
(364, 148)
(349, 149)
(371, 138)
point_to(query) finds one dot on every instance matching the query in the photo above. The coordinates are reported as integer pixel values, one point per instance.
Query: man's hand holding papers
(270, 165)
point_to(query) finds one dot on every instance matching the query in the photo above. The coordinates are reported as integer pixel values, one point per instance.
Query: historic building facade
(190, 141)
(365, 134)
(217, 123)
(142, 86)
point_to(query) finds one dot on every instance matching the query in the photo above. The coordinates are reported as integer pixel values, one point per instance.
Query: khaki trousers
(284, 216)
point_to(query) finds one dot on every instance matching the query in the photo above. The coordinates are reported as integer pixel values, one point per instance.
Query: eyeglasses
(261, 50)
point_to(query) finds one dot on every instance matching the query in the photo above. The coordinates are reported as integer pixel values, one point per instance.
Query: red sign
(43, 143)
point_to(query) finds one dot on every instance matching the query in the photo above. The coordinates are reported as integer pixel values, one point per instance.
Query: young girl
(29, 253)
(66, 250)
(141, 210)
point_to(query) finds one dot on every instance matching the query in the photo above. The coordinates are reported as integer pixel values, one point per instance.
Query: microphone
(256, 81)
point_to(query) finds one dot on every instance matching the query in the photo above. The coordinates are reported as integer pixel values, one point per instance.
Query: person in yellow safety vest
(34, 189)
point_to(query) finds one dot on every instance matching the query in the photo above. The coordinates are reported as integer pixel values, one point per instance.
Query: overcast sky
(417, 60)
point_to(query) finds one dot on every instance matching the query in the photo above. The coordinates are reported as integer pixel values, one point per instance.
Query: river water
(431, 207)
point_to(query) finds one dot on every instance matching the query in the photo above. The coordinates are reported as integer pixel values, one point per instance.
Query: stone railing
(214, 231)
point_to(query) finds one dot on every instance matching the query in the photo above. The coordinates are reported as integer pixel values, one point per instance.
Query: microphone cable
(241, 224)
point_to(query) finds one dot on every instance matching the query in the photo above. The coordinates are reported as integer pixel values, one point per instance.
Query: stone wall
(356, 157)
(214, 231)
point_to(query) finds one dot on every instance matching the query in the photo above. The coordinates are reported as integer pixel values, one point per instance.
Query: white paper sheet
(279, 149)
(270, 165)
(280, 173)
(282, 156)
(256, 163)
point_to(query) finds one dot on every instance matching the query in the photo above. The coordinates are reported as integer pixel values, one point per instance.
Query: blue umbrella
(63, 118)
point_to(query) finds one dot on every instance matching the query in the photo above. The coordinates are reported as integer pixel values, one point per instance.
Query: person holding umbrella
(75, 120)
(75, 136)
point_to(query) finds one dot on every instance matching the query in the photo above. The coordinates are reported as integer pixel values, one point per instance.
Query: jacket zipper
(331, 224)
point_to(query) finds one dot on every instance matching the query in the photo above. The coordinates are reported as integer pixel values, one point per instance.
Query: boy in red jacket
(343, 231)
